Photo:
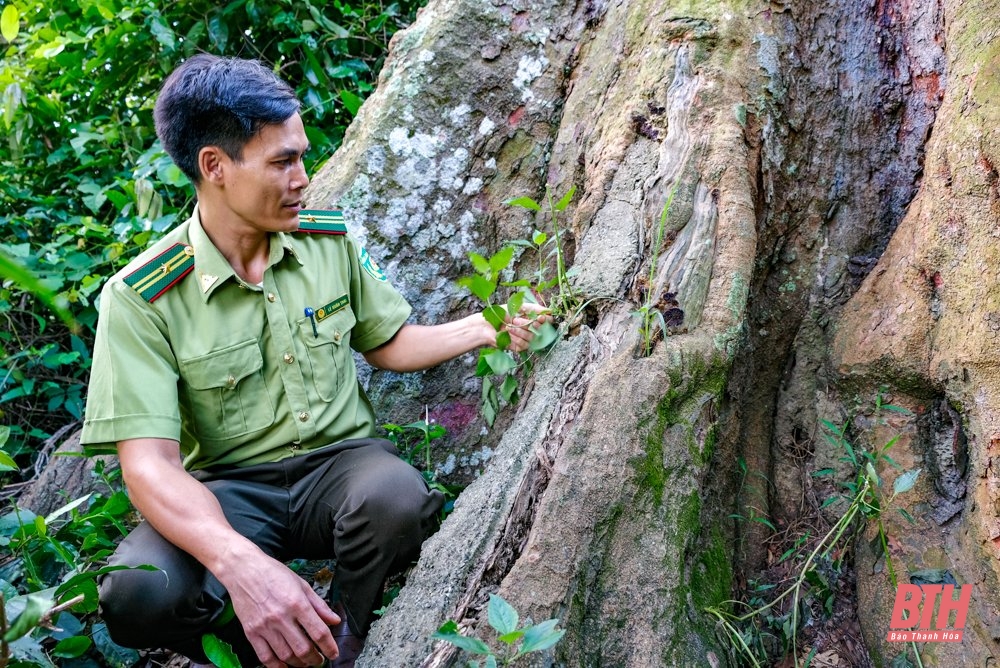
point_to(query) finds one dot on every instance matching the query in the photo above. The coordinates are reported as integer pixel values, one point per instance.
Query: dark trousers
(354, 501)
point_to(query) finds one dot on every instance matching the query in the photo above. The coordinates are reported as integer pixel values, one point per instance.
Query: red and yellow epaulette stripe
(162, 272)
(318, 221)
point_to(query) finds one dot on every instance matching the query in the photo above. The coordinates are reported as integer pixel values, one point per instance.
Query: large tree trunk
(798, 139)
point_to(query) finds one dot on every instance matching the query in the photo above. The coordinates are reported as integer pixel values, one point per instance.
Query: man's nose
(300, 179)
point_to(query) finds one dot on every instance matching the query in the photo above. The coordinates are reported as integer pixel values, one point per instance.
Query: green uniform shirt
(237, 373)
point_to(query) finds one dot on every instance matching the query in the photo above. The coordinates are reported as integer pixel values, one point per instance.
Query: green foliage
(413, 441)
(48, 588)
(549, 286)
(85, 186)
(219, 652)
(515, 642)
(819, 561)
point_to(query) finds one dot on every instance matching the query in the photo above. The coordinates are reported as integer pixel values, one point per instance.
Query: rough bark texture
(62, 473)
(833, 231)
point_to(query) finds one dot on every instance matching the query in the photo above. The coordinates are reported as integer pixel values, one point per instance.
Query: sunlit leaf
(524, 203)
(564, 202)
(9, 23)
(219, 651)
(351, 102)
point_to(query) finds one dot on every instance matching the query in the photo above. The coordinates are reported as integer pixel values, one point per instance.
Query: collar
(212, 269)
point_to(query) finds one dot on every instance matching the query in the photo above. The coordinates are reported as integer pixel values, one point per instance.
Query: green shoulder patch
(162, 272)
(317, 221)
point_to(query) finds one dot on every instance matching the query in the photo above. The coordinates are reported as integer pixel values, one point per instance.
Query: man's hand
(286, 622)
(522, 326)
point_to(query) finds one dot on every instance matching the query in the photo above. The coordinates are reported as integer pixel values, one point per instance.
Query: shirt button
(303, 416)
(289, 358)
(231, 381)
(336, 337)
(270, 297)
(294, 446)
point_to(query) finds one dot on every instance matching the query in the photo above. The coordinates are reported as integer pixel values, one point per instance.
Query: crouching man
(224, 375)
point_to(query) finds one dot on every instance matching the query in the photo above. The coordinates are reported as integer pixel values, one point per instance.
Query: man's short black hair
(224, 102)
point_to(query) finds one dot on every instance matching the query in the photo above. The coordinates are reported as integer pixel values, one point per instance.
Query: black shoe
(350, 645)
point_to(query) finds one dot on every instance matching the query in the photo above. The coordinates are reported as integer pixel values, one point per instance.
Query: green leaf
(539, 237)
(482, 367)
(491, 662)
(9, 23)
(496, 316)
(545, 335)
(524, 203)
(69, 587)
(514, 304)
(351, 102)
(512, 637)
(503, 340)
(7, 462)
(500, 362)
(162, 32)
(501, 615)
(541, 636)
(501, 259)
(449, 633)
(564, 202)
(36, 605)
(219, 651)
(905, 482)
(23, 278)
(480, 264)
(71, 648)
(478, 286)
(822, 472)
(68, 507)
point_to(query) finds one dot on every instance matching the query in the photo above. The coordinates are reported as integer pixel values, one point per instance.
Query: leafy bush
(85, 186)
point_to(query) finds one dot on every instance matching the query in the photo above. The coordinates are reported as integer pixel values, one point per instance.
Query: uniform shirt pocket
(329, 348)
(227, 392)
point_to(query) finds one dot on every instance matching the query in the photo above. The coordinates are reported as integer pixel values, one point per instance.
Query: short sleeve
(133, 382)
(379, 308)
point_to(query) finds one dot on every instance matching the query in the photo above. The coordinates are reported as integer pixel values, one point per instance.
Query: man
(223, 373)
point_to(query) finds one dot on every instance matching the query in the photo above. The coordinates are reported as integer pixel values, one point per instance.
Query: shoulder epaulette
(317, 221)
(162, 272)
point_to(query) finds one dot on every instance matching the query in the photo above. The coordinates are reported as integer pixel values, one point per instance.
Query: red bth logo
(912, 621)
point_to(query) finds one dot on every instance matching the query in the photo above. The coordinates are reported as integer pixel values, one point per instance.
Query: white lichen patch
(472, 186)
(529, 68)
(459, 115)
(375, 157)
(452, 169)
(486, 127)
(448, 467)
(425, 56)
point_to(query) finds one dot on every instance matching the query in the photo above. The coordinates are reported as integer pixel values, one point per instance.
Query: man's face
(264, 189)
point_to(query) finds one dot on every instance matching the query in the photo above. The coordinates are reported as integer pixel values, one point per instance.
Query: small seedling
(514, 642)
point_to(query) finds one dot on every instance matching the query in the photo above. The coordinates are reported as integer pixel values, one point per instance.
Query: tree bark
(834, 211)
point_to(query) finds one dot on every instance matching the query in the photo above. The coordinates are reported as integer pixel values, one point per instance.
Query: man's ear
(211, 164)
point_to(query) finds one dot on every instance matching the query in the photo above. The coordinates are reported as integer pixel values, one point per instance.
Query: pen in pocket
(311, 314)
